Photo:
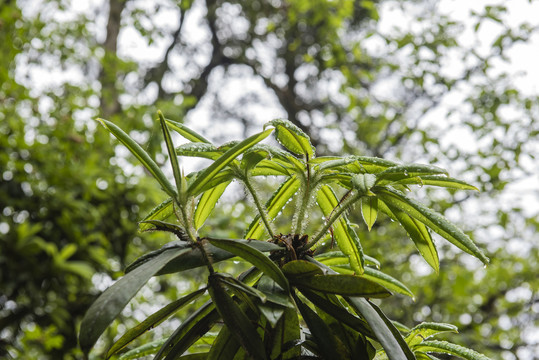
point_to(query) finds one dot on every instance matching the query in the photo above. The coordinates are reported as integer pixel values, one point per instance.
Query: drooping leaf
(194, 259)
(152, 321)
(205, 176)
(278, 300)
(225, 346)
(172, 156)
(235, 318)
(286, 332)
(187, 133)
(326, 341)
(369, 210)
(433, 220)
(292, 137)
(190, 330)
(141, 156)
(111, 302)
(236, 286)
(207, 203)
(386, 281)
(444, 347)
(255, 257)
(273, 206)
(419, 234)
(349, 244)
(425, 330)
(386, 333)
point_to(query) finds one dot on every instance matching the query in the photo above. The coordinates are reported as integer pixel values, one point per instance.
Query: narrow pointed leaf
(171, 153)
(425, 330)
(400, 172)
(197, 186)
(269, 167)
(199, 149)
(194, 259)
(287, 331)
(441, 181)
(235, 318)
(273, 206)
(143, 350)
(326, 341)
(225, 346)
(207, 202)
(236, 285)
(187, 133)
(349, 244)
(386, 281)
(161, 212)
(141, 156)
(300, 268)
(190, 330)
(255, 257)
(386, 333)
(369, 210)
(419, 234)
(433, 220)
(225, 175)
(158, 225)
(292, 137)
(444, 347)
(152, 321)
(111, 302)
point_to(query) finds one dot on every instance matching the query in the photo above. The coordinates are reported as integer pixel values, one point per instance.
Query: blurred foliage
(427, 87)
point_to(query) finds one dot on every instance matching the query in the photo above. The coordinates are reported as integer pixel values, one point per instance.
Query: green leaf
(207, 203)
(190, 330)
(299, 268)
(345, 285)
(286, 332)
(326, 341)
(278, 300)
(444, 347)
(161, 212)
(292, 137)
(172, 156)
(273, 206)
(225, 175)
(369, 210)
(203, 178)
(432, 219)
(419, 234)
(269, 167)
(235, 318)
(224, 347)
(194, 258)
(141, 156)
(386, 281)
(187, 133)
(236, 285)
(386, 333)
(143, 350)
(348, 243)
(255, 257)
(400, 172)
(111, 302)
(425, 330)
(442, 181)
(159, 225)
(152, 321)
(201, 150)
(339, 312)
(363, 183)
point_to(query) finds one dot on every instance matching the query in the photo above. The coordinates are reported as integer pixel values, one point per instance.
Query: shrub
(309, 290)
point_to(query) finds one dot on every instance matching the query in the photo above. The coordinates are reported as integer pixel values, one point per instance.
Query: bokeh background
(451, 83)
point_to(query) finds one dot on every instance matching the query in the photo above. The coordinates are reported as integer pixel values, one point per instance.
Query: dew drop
(405, 173)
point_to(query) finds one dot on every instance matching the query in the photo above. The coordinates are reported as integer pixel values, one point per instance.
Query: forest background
(444, 83)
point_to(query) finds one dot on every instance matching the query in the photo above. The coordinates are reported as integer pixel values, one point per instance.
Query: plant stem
(185, 222)
(301, 208)
(258, 205)
(336, 214)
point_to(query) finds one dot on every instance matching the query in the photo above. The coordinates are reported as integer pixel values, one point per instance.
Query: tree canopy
(410, 81)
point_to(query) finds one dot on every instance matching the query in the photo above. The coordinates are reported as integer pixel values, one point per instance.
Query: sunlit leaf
(433, 220)
(141, 156)
(442, 181)
(187, 133)
(205, 176)
(199, 149)
(292, 137)
(207, 203)
(161, 212)
(171, 154)
(143, 350)
(369, 210)
(444, 347)
(400, 172)
(425, 330)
